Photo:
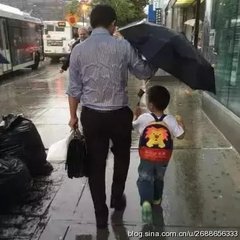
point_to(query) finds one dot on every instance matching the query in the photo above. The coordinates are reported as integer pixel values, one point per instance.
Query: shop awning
(185, 3)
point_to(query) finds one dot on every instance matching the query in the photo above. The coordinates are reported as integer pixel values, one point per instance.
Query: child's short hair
(159, 96)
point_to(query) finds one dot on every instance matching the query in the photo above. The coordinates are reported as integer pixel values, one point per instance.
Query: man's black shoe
(118, 203)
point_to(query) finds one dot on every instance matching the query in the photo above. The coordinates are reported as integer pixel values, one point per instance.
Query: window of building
(226, 47)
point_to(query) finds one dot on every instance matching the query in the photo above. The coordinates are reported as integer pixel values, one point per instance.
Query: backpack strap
(156, 118)
(162, 117)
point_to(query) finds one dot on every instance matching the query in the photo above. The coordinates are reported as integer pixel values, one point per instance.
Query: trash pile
(22, 157)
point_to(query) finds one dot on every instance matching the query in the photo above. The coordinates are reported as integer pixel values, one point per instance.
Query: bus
(57, 36)
(21, 39)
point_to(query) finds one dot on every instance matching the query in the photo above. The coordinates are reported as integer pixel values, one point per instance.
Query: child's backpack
(156, 142)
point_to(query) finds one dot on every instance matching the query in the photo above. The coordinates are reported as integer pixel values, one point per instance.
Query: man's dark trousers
(98, 128)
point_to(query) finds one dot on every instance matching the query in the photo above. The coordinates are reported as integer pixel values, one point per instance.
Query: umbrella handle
(147, 82)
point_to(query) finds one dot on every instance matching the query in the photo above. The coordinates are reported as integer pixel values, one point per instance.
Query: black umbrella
(171, 51)
(3, 59)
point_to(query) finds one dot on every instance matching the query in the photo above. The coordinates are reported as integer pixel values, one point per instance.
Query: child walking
(155, 147)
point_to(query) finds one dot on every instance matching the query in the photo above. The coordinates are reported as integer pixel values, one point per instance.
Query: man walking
(82, 36)
(98, 80)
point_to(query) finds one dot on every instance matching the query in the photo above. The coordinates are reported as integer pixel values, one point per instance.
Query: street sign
(151, 14)
(72, 19)
(159, 17)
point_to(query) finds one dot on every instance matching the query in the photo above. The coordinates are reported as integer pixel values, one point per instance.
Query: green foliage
(81, 10)
(72, 7)
(127, 10)
(139, 5)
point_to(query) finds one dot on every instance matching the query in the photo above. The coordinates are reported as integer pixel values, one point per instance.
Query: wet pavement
(202, 182)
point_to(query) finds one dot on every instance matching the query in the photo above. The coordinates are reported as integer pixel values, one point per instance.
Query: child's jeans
(150, 180)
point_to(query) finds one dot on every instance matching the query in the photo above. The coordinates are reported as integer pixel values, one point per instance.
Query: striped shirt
(99, 71)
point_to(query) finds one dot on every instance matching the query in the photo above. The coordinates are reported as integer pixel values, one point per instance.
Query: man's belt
(102, 111)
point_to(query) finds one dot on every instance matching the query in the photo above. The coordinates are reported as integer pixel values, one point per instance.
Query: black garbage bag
(76, 163)
(15, 180)
(19, 138)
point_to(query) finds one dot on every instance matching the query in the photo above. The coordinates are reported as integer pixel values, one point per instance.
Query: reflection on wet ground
(201, 183)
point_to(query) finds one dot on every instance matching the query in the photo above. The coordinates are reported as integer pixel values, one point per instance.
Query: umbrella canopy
(171, 51)
(3, 59)
(191, 22)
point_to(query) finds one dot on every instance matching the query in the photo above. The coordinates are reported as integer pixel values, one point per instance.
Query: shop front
(181, 14)
(222, 48)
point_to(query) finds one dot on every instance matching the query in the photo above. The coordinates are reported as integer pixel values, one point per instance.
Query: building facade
(178, 12)
(219, 39)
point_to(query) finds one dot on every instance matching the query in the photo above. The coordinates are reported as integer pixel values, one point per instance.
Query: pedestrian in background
(75, 38)
(98, 80)
(82, 36)
(151, 171)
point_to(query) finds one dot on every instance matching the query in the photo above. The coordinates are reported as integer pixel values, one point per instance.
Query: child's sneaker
(146, 212)
(157, 202)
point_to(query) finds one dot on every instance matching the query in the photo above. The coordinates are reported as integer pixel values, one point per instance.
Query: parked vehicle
(57, 36)
(21, 39)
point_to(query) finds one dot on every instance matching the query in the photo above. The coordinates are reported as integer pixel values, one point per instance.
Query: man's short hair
(159, 96)
(102, 15)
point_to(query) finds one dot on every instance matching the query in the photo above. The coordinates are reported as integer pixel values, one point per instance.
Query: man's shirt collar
(100, 30)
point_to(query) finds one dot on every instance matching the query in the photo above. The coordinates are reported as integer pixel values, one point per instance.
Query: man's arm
(73, 105)
(74, 88)
(137, 66)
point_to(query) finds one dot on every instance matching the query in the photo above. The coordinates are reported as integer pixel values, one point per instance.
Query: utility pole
(198, 4)
(84, 9)
(63, 10)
